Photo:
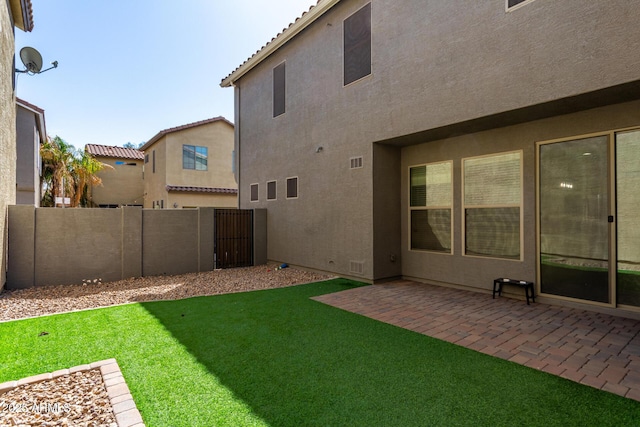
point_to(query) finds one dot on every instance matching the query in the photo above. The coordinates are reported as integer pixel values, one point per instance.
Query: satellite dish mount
(32, 61)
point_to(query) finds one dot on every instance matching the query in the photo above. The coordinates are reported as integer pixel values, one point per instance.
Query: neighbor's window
(292, 188)
(146, 158)
(493, 205)
(357, 45)
(254, 192)
(430, 203)
(271, 190)
(194, 157)
(279, 90)
(153, 154)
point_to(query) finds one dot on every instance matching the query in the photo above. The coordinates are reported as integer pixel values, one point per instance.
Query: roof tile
(114, 151)
(178, 128)
(202, 189)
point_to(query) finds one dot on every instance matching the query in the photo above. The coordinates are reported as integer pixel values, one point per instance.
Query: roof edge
(293, 30)
(22, 11)
(183, 127)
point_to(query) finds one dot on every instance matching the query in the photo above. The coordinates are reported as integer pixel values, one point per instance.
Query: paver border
(120, 398)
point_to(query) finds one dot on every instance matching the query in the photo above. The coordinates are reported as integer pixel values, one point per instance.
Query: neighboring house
(121, 186)
(191, 166)
(451, 142)
(19, 14)
(30, 133)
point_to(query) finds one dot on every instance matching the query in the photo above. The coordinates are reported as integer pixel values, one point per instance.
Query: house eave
(294, 29)
(22, 12)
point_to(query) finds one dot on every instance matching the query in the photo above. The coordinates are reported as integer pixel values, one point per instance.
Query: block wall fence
(49, 246)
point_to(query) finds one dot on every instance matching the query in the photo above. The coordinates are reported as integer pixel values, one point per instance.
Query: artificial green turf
(278, 358)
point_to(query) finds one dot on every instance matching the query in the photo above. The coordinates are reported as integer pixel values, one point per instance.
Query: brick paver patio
(591, 348)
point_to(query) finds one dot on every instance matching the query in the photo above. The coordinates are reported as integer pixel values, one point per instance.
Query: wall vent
(356, 267)
(356, 162)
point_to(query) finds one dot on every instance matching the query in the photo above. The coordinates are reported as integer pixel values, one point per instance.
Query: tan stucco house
(122, 184)
(18, 14)
(31, 131)
(451, 142)
(191, 166)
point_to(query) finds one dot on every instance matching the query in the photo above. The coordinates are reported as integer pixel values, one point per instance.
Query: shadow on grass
(296, 362)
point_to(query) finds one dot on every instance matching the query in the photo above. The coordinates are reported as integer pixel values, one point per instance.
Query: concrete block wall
(49, 246)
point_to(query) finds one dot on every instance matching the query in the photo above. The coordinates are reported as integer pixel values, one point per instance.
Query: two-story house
(19, 14)
(191, 166)
(30, 133)
(122, 183)
(451, 142)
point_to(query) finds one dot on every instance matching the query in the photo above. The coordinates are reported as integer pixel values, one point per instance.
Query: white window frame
(426, 208)
(251, 192)
(287, 188)
(519, 5)
(520, 206)
(276, 186)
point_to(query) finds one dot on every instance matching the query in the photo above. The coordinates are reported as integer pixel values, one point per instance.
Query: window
(492, 205)
(512, 4)
(279, 84)
(194, 157)
(271, 190)
(292, 188)
(254, 192)
(154, 161)
(430, 201)
(355, 162)
(357, 45)
(146, 158)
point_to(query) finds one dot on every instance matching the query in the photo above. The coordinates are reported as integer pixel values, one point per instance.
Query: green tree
(67, 171)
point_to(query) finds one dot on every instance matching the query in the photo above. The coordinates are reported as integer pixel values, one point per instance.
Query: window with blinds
(493, 205)
(357, 45)
(430, 204)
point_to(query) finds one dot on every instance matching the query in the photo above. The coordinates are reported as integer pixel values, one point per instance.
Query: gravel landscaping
(38, 301)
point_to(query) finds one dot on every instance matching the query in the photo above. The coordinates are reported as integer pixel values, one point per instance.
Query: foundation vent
(356, 162)
(356, 267)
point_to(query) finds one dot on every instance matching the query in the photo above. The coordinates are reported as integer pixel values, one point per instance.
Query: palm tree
(67, 171)
(84, 170)
(57, 156)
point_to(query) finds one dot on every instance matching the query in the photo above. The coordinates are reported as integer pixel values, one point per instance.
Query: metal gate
(233, 238)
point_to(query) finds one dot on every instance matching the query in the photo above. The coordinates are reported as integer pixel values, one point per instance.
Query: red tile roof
(178, 128)
(114, 151)
(202, 189)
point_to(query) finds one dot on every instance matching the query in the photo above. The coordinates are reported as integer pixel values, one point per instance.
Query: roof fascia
(295, 28)
(21, 17)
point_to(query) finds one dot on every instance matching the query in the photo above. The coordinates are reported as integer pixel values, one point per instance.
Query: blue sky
(130, 68)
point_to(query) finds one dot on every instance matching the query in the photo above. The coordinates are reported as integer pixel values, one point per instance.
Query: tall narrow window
(492, 205)
(271, 190)
(194, 157)
(279, 85)
(357, 45)
(254, 192)
(292, 188)
(154, 161)
(430, 201)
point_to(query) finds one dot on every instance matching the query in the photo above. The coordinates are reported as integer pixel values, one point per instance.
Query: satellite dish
(31, 59)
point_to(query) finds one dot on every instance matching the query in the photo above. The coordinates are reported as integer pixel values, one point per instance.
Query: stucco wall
(27, 150)
(50, 246)
(218, 137)
(435, 64)
(7, 131)
(122, 185)
(476, 272)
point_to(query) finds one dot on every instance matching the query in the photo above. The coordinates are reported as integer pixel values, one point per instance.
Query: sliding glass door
(589, 203)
